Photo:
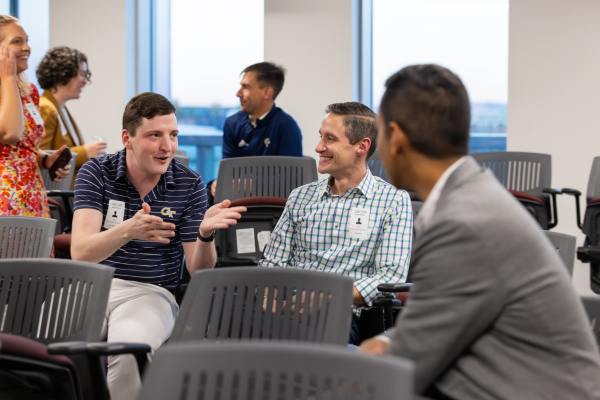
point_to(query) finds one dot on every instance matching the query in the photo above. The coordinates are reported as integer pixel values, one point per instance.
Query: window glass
(470, 37)
(211, 43)
(35, 19)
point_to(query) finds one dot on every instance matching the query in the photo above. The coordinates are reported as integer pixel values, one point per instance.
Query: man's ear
(268, 93)
(398, 140)
(363, 146)
(126, 139)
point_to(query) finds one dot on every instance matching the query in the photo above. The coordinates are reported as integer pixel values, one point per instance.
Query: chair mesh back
(565, 247)
(593, 189)
(227, 304)
(64, 184)
(26, 237)
(524, 172)
(274, 371)
(183, 159)
(271, 176)
(376, 166)
(53, 300)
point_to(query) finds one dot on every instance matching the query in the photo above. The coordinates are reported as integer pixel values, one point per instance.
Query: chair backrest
(227, 304)
(182, 158)
(274, 371)
(269, 176)
(244, 242)
(376, 166)
(593, 188)
(26, 237)
(64, 184)
(53, 300)
(592, 308)
(565, 247)
(523, 172)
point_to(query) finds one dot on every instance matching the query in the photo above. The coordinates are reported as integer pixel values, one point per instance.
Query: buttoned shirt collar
(366, 186)
(165, 182)
(255, 123)
(430, 205)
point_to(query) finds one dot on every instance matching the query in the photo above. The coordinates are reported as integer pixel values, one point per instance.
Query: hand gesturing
(220, 216)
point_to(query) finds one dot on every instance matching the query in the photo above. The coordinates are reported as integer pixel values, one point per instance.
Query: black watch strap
(208, 239)
(44, 161)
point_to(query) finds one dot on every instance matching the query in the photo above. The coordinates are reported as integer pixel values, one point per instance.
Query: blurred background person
(62, 73)
(21, 129)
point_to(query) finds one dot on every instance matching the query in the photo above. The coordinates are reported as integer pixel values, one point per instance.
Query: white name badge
(34, 113)
(115, 214)
(359, 223)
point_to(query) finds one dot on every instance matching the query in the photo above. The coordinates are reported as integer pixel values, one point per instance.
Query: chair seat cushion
(259, 201)
(594, 201)
(526, 196)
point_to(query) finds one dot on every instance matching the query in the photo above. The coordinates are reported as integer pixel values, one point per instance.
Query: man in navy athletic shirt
(137, 211)
(261, 128)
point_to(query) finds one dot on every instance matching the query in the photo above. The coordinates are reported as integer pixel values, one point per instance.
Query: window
(470, 37)
(211, 43)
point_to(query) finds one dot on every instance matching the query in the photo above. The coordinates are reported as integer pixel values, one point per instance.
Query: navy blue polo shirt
(275, 135)
(179, 198)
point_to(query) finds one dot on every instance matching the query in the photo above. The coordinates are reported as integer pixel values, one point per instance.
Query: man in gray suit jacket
(492, 313)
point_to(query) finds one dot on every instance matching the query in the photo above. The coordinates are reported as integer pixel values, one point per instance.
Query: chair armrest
(394, 287)
(576, 193)
(553, 193)
(97, 349)
(383, 302)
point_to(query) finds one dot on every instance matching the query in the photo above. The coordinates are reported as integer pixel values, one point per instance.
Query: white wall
(96, 28)
(554, 101)
(313, 41)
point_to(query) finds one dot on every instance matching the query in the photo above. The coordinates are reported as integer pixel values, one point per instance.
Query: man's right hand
(144, 226)
(374, 346)
(8, 63)
(95, 149)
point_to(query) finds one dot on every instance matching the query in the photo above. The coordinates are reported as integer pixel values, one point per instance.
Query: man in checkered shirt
(351, 223)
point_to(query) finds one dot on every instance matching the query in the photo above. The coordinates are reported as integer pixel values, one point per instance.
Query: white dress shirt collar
(430, 205)
(253, 123)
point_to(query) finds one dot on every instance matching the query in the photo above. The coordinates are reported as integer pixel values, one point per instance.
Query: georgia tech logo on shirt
(167, 211)
(267, 142)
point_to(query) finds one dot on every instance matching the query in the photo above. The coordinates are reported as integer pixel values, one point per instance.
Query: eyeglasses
(85, 74)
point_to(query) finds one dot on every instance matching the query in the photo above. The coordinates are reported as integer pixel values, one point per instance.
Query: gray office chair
(250, 370)
(267, 176)
(592, 308)
(61, 304)
(182, 158)
(528, 176)
(226, 304)
(64, 184)
(565, 247)
(26, 237)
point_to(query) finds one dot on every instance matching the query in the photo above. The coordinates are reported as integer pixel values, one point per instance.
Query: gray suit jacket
(492, 313)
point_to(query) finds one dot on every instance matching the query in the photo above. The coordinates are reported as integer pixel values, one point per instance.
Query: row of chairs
(59, 305)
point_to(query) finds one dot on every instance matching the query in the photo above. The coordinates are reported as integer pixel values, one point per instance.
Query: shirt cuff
(367, 287)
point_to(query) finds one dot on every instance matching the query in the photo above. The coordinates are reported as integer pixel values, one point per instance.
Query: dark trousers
(354, 333)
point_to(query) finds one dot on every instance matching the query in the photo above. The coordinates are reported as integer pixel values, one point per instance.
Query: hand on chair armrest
(394, 287)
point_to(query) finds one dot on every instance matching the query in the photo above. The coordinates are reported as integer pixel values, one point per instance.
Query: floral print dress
(22, 190)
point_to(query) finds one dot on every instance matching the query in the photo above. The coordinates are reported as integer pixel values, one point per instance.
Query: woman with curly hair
(62, 74)
(22, 190)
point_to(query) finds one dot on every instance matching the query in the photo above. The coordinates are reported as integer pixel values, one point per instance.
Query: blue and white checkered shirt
(315, 233)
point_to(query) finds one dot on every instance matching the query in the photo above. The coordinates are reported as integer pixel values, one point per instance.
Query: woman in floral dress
(22, 190)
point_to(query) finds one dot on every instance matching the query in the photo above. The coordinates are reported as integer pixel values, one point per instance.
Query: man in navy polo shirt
(261, 128)
(137, 210)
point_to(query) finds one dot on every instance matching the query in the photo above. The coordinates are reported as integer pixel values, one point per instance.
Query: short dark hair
(145, 105)
(359, 122)
(268, 74)
(431, 105)
(59, 66)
